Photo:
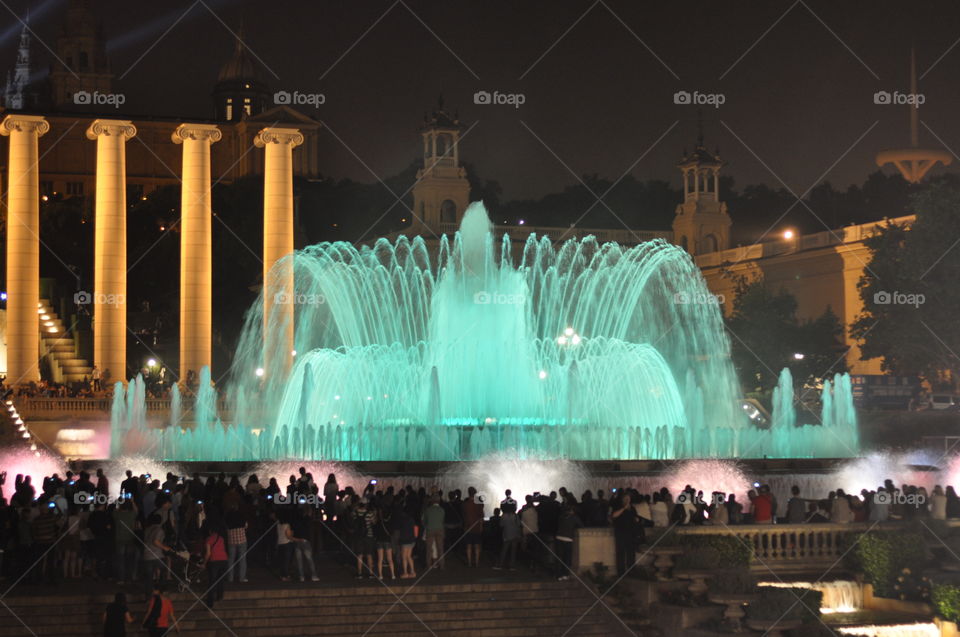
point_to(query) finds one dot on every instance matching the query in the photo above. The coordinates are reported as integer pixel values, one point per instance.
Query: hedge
(733, 551)
(881, 556)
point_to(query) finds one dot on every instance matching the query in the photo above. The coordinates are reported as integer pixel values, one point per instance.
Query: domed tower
(442, 191)
(701, 224)
(240, 90)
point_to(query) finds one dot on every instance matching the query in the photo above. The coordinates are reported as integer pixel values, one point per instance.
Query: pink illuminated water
(25, 462)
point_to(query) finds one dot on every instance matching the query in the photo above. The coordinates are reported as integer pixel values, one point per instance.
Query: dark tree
(909, 290)
(767, 336)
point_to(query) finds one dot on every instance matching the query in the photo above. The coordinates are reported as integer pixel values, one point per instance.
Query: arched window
(709, 244)
(448, 211)
(443, 144)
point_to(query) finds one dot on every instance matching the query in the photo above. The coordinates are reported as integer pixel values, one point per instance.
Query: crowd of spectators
(168, 529)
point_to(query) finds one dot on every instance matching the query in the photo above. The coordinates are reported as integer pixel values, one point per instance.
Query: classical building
(62, 144)
(70, 99)
(820, 270)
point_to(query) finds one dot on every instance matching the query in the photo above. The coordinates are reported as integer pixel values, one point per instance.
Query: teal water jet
(583, 350)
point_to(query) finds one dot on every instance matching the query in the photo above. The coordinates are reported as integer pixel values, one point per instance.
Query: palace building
(59, 142)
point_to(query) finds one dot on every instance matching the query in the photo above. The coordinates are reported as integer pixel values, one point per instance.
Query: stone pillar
(196, 241)
(278, 290)
(110, 247)
(23, 246)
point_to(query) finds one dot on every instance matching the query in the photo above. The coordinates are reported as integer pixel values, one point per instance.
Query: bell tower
(442, 191)
(81, 64)
(701, 224)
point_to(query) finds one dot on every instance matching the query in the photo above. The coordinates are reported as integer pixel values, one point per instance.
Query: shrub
(732, 551)
(786, 604)
(736, 581)
(704, 558)
(946, 599)
(882, 557)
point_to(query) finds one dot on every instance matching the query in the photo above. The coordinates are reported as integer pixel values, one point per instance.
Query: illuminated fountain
(586, 351)
(839, 596)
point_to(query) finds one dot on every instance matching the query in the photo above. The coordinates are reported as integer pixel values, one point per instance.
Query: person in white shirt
(642, 508)
(530, 524)
(659, 511)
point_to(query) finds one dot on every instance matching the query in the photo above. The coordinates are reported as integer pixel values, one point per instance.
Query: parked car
(944, 401)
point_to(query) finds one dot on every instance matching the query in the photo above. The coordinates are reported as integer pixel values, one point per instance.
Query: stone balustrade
(775, 547)
(94, 408)
(788, 547)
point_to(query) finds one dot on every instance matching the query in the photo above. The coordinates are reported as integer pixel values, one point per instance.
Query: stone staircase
(57, 342)
(515, 609)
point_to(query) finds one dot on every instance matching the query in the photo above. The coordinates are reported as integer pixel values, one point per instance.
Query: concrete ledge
(593, 545)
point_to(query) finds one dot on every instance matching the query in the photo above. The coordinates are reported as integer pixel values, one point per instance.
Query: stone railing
(788, 546)
(775, 547)
(92, 408)
(775, 245)
(944, 444)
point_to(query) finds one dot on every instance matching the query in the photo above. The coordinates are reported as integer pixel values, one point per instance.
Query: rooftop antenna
(913, 162)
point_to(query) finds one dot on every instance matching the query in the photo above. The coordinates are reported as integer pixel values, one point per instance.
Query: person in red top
(215, 558)
(762, 505)
(160, 618)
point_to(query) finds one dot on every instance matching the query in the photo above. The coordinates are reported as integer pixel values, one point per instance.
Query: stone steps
(60, 347)
(516, 609)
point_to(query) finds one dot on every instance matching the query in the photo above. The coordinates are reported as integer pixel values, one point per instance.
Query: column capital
(111, 127)
(272, 135)
(24, 124)
(198, 132)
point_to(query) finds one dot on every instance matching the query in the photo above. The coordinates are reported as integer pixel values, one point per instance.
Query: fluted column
(23, 246)
(110, 247)
(278, 290)
(196, 241)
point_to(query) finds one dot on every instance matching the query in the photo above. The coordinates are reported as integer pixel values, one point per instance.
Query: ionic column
(278, 287)
(196, 240)
(23, 246)
(110, 247)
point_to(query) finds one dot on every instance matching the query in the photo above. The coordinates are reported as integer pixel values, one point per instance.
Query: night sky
(798, 79)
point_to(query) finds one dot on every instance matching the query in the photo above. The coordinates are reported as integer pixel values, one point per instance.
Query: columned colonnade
(110, 245)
